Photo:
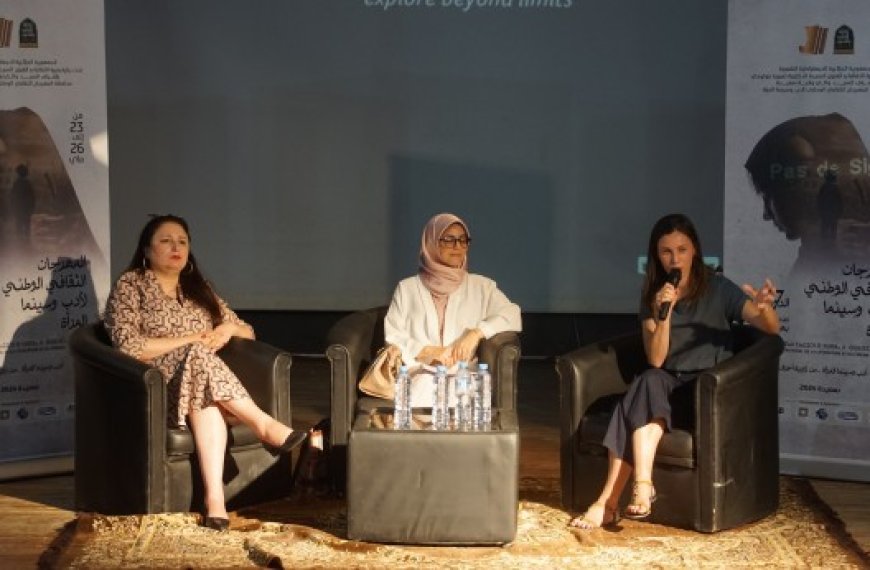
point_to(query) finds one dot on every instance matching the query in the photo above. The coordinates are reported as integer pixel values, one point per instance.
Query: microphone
(674, 279)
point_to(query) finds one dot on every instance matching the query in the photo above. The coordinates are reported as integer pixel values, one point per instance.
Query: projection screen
(308, 141)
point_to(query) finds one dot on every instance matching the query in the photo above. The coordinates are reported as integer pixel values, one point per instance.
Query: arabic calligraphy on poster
(63, 290)
(49, 300)
(826, 364)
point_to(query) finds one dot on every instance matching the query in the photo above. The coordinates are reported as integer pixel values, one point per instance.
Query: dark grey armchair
(126, 458)
(353, 343)
(722, 473)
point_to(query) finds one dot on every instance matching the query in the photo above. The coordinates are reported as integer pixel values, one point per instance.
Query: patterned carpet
(308, 532)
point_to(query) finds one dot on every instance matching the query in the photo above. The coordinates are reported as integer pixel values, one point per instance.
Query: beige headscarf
(437, 276)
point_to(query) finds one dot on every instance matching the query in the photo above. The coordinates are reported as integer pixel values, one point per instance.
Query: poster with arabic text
(797, 209)
(54, 219)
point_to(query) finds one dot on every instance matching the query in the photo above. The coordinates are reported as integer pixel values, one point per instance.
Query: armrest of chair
(736, 405)
(349, 345)
(120, 424)
(585, 375)
(594, 371)
(502, 353)
(265, 372)
(90, 344)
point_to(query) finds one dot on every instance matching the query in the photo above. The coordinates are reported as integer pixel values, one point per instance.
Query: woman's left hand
(764, 297)
(464, 347)
(218, 337)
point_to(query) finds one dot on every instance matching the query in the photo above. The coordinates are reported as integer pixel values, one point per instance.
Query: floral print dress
(138, 309)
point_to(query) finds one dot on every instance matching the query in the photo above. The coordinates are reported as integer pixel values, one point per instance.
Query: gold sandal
(636, 510)
(610, 518)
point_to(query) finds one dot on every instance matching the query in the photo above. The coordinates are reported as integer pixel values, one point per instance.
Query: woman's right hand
(219, 336)
(433, 355)
(667, 294)
(159, 346)
(657, 332)
(464, 347)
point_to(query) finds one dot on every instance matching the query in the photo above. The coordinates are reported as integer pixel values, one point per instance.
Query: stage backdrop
(308, 141)
(54, 219)
(797, 209)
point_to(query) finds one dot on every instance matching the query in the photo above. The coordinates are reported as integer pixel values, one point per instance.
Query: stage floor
(33, 511)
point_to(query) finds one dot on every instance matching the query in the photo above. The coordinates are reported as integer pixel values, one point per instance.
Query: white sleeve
(501, 314)
(397, 326)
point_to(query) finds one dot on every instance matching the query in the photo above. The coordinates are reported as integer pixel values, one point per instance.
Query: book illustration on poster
(816, 36)
(50, 263)
(813, 174)
(39, 208)
(844, 41)
(815, 40)
(28, 34)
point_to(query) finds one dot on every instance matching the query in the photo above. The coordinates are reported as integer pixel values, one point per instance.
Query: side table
(421, 486)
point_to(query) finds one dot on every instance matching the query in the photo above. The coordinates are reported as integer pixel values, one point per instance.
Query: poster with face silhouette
(54, 220)
(797, 209)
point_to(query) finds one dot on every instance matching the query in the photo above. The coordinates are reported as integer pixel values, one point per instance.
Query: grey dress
(700, 338)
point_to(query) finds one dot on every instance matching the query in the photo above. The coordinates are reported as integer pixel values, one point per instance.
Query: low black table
(421, 486)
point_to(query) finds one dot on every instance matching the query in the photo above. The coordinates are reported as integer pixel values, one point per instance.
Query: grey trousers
(655, 393)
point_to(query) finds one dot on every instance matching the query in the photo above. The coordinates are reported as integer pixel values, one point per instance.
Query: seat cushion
(676, 447)
(179, 441)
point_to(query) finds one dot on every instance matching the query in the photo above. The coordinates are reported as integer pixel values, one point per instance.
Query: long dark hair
(193, 284)
(655, 272)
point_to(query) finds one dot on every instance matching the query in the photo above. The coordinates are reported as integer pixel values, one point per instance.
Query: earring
(189, 267)
(144, 263)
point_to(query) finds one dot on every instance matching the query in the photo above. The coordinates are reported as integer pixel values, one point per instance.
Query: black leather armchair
(722, 473)
(353, 343)
(126, 458)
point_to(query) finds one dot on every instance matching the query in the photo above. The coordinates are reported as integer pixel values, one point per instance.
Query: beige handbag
(380, 378)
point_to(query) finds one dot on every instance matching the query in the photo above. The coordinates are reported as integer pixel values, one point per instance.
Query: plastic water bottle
(476, 411)
(484, 384)
(402, 400)
(463, 396)
(439, 399)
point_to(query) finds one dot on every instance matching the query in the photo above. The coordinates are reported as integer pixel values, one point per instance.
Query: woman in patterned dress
(163, 312)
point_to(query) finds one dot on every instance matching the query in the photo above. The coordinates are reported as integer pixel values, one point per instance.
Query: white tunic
(412, 321)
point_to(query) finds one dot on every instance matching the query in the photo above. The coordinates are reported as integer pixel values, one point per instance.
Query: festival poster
(797, 209)
(54, 219)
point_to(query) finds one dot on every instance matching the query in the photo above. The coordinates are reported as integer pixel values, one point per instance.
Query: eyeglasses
(453, 241)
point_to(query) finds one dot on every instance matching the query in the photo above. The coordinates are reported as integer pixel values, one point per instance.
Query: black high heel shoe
(219, 524)
(294, 440)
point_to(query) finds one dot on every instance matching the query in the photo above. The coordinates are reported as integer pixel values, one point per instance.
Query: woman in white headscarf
(440, 315)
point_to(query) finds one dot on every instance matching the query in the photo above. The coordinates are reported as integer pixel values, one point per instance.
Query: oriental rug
(309, 532)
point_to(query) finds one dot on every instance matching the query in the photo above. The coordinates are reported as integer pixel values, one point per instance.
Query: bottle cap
(463, 364)
(403, 368)
(483, 366)
(441, 368)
